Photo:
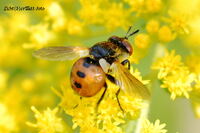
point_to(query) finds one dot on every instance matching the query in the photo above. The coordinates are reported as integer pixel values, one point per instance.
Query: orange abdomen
(87, 78)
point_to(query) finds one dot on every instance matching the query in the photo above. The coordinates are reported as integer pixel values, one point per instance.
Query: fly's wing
(128, 83)
(61, 53)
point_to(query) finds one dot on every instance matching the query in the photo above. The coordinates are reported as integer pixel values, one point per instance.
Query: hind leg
(113, 80)
(117, 93)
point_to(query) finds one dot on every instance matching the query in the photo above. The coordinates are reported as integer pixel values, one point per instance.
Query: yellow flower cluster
(149, 127)
(111, 14)
(108, 116)
(180, 79)
(144, 7)
(47, 122)
(174, 74)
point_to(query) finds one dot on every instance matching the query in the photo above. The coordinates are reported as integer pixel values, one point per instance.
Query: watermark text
(24, 8)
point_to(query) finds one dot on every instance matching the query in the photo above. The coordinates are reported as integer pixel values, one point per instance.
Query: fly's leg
(117, 94)
(126, 62)
(102, 96)
(113, 80)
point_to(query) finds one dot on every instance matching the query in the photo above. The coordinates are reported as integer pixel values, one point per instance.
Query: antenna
(134, 32)
(128, 32)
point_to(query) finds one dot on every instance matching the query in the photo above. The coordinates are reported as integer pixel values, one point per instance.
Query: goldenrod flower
(55, 10)
(142, 6)
(175, 76)
(142, 40)
(108, 116)
(167, 64)
(153, 6)
(24, 80)
(178, 22)
(47, 122)
(74, 27)
(156, 127)
(56, 13)
(116, 16)
(90, 11)
(152, 26)
(179, 83)
(111, 14)
(136, 6)
(165, 34)
(40, 35)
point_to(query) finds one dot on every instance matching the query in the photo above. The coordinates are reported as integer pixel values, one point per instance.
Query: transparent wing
(128, 83)
(61, 53)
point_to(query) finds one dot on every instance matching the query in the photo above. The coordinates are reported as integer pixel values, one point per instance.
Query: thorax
(107, 50)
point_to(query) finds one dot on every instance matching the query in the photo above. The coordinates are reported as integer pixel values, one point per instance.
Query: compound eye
(128, 46)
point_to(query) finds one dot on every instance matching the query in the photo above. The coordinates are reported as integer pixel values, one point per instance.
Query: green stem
(144, 114)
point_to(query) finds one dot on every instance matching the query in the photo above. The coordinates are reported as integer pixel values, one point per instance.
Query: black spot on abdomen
(78, 85)
(80, 74)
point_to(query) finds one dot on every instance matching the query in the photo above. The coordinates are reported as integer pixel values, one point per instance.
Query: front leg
(125, 62)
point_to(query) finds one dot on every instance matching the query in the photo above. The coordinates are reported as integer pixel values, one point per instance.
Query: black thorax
(103, 50)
